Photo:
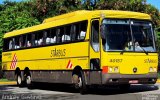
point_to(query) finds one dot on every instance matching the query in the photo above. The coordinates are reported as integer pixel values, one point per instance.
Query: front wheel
(79, 82)
(29, 82)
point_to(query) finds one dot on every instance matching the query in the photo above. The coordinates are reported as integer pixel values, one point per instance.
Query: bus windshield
(127, 35)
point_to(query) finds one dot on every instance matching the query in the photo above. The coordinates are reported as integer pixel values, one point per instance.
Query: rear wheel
(19, 80)
(29, 82)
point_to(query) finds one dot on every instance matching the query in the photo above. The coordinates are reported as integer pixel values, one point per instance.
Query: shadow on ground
(95, 90)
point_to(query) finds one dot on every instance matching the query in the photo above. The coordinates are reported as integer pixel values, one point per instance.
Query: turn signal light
(110, 69)
(105, 69)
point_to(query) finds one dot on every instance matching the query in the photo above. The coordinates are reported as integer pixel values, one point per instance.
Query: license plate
(133, 81)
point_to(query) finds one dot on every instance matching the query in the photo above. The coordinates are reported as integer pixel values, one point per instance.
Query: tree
(14, 16)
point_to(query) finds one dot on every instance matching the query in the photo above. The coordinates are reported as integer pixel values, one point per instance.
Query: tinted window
(95, 35)
(61, 34)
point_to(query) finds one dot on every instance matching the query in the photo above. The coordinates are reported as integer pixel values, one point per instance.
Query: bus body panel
(118, 79)
(49, 58)
(128, 61)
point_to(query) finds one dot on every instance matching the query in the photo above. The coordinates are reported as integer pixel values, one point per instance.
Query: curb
(8, 83)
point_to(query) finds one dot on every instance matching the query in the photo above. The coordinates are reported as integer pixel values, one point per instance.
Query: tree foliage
(14, 16)
(131, 5)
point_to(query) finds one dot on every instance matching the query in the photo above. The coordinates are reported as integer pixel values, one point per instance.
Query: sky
(1, 1)
(156, 3)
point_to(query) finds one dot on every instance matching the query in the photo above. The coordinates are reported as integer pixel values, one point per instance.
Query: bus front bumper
(116, 79)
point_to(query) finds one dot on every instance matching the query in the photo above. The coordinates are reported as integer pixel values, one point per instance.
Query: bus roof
(79, 16)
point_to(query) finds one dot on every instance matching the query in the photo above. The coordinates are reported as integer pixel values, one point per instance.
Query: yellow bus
(101, 47)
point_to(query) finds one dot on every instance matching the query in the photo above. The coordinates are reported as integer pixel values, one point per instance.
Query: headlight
(110, 69)
(113, 69)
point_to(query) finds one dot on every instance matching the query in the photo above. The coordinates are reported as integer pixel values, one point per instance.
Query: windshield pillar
(153, 34)
(130, 25)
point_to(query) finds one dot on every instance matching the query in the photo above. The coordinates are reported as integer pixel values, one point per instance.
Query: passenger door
(95, 75)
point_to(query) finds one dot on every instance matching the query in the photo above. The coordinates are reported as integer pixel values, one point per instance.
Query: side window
(24, 44)
(95, 35)
(60, 33)
(66, 37)
(34, 39)
(73, 32)
(29, 40)
(17, 45)
(21, 42)
(53, 36)
(46, 36)
(13, 43)
(25, 41)
(40, 39)
(78, 30)
(8, 44)
(83, 30)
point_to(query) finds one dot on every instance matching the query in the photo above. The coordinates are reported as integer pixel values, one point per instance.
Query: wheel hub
(19, 80)
(28, 80)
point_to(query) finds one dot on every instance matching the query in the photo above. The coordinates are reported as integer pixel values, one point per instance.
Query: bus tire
(19, 80)
(82, 83)
(29, 82)
(79, 82)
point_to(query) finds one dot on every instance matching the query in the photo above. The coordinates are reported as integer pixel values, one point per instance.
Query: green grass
(4, 80)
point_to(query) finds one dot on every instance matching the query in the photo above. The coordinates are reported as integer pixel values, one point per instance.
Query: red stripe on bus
(68, 64)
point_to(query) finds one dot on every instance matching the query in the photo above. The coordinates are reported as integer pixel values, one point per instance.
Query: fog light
(150, 69)
(116, 69)
(155, 69)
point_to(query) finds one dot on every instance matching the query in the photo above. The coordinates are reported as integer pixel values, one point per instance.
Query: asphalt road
(66, 92)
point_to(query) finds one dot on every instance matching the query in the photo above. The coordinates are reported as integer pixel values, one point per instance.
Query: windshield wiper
(139, 46)
(122, 51)
(144, 50)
